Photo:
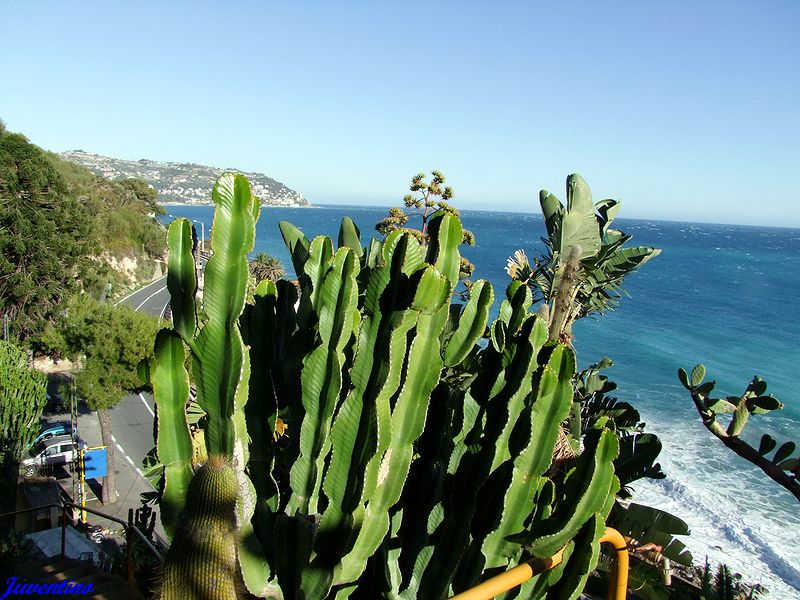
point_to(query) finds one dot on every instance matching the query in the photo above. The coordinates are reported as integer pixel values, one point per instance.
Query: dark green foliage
(59, 227)
(263, 266)
(15, 548)
(725, 585)
(114, 339)
(45, 239)
(638, 450)
(22, 399)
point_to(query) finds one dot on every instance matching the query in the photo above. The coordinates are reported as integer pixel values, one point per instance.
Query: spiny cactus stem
(202, 559)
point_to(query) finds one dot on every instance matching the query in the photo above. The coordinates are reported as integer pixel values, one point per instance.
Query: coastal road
(132, 419)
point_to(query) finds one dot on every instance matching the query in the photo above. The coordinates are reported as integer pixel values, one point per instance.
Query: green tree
(143, 193)
(22, 399)
(45, 240)
(263, 266)
(112, 341)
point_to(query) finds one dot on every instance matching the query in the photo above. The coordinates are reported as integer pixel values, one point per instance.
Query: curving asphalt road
(132, 419)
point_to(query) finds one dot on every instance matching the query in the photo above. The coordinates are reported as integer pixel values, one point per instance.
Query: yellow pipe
(511, 578)
(618, 586)
(521, 573)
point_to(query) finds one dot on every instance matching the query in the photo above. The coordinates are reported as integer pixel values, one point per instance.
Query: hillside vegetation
(64, 230)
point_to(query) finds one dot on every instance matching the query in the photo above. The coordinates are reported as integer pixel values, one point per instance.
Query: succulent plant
(782, 467)
(416, 459)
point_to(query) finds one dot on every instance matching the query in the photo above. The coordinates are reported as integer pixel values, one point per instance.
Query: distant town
(183, 183)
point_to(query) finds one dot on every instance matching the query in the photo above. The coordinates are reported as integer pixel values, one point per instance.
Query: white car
(51, 452)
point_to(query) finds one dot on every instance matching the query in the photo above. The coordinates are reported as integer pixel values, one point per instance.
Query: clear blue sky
(685, 110)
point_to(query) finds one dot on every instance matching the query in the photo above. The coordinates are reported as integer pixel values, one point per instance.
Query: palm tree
(263, 266)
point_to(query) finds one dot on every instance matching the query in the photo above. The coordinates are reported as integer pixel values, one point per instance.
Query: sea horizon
(719, 294)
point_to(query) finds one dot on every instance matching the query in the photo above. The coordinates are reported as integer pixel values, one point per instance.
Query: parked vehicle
(52, 430)
(55, 451)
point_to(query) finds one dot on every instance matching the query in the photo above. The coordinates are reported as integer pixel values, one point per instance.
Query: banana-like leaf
(637, 458)
(578, 227)
(552, 210)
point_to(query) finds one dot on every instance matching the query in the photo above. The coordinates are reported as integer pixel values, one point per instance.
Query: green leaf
(767, 444)
(764, 403)
(350, 237)
(552, 210)
(698, 375)
(739, 420)
(579, 227)
(684, 378)
(704, 389)
(783, 452)
(717, 405)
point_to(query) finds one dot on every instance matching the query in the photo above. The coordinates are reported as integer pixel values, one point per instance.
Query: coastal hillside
(183, 183)
(65, 232)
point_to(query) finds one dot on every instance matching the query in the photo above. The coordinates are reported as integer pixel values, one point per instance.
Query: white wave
(736, 515)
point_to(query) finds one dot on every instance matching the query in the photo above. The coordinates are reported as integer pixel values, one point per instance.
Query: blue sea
(724, 295)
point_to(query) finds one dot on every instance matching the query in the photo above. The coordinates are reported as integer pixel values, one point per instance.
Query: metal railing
(130, 531)
(617, 587)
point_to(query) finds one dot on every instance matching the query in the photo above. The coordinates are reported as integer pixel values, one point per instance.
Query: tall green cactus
(22, 399)
(417, 457)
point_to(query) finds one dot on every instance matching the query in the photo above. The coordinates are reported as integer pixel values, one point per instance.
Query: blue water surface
(724, 295)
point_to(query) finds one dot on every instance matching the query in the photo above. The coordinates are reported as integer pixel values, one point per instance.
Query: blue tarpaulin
(95, 463)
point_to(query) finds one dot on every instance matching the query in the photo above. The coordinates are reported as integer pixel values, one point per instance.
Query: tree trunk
(109, 484)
